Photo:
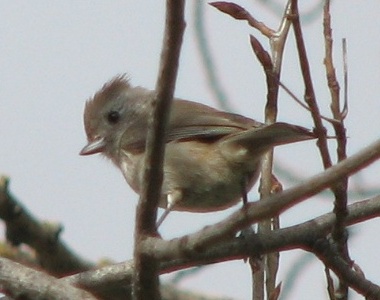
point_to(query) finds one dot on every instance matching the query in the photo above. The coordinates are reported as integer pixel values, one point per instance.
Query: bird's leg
(244, 191)
(246, 232)
(172, 199)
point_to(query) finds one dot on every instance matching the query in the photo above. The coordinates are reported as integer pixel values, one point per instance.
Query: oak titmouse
(211, 157)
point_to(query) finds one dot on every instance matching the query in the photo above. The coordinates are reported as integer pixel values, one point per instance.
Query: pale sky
(57, 54)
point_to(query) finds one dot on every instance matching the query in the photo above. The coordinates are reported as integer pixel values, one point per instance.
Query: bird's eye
(113, 117)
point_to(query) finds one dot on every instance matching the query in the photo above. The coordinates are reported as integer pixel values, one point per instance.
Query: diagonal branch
(23, 228)
(107, 280)
(21, 282)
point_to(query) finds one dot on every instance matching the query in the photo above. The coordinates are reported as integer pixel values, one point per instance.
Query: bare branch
(344, 111)
(296, 99)
(326, 252)
(23, 228)
(106, 280)
(309, 89)
(272, 68)
(339, 234)
(21, 282)
(146, 283)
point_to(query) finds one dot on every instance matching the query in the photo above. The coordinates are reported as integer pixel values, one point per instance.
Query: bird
(212, 158)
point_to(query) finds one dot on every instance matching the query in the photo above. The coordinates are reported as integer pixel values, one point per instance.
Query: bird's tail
(256, 141)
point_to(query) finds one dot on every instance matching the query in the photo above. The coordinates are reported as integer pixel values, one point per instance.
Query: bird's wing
(190, 120)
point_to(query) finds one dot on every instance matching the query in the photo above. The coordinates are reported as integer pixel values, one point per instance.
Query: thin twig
(326, 252)
(146, 283)
(309, 89)
(258, 270)
(303, 105)
(272, 69)
(330, 284)
(277, 42)
(339, 234)
(344, 111)
(207, 58)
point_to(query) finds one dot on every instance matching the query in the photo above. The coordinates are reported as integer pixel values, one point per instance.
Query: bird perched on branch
(212, 158)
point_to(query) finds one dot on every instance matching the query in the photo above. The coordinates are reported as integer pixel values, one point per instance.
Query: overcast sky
(57, 54)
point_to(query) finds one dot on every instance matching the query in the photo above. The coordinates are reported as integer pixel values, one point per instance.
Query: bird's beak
(95, 146)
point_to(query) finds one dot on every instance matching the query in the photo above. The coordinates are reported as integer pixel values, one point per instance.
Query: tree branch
(339, 234)
(146, 283)
(25, 283)
(106, 280)
(22, 227)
